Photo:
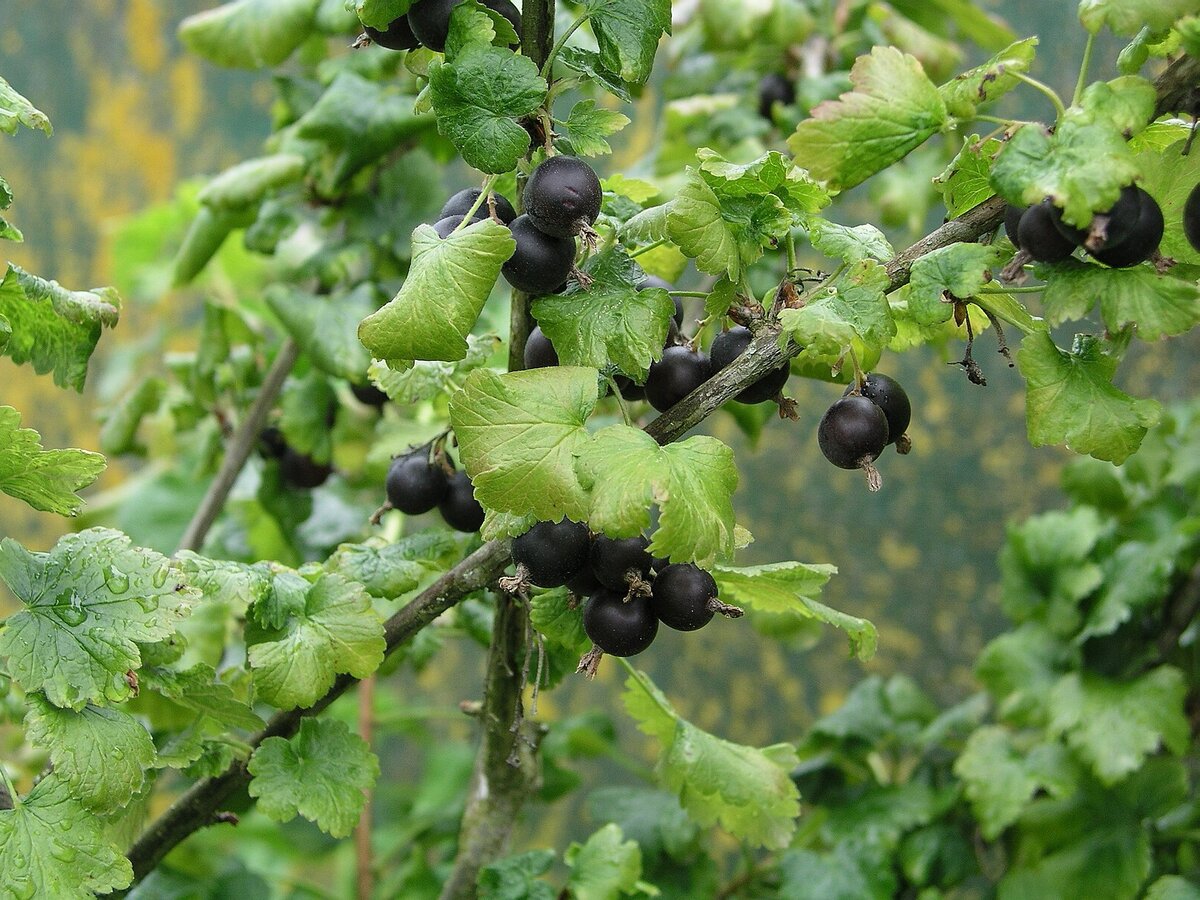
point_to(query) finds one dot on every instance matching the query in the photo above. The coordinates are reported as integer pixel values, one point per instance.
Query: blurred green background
(134, 114)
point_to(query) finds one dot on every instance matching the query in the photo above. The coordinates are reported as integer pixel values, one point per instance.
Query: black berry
(889, 396)
(302, 471)
(617, 626)
(774, 88)
(1140, 244)
(1191, 218)
(271, 442)
(459, 508)
(614, 560)
(539, 352)
(677, 374)
(563, 196)
(683, 596)
(630, 389)
(540, 263)
(460, 203)
(583, 583)
(369, 395)
(1039, 237)
(397, 36)
(853, 432)
(553, 552)
(1118, 222)
(430, 19)
(728, 346)
(414, 484)
(1012, 221)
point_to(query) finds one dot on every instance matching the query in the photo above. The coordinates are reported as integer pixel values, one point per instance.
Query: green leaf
(249, 34)
(198, 690)
(956, 272)
(441, 299)
(379, 14)
(222, 581)
(473, 24)
(627, 33)
(1019, 668)
(748, 791)
(652, 819)
(322, 774)
(691, 481)
(250, 181)
(478, 98)
(519, 434)
(1172, 887)
(1169, 177)
(326, 328)
(387, 570)
(1159, 305)
(587, 126)
(966, 182)
(605, 867)
(52, 846)
(1071, 400)
(335, 631)
(986, 82)
(793, 587)
(426, 379)
(102, 754)
(306, 406)
(893, 109)
(850, 244)
(15, 111)
(1114, 725)
(589, 64)
(45, 479)
(1128, 17)
(516, 877)
(552, 614)
(853, 306)
(125, 416)
(861, 871)
(205, 235)
(87, 602)
(609, 322)
(53, 328)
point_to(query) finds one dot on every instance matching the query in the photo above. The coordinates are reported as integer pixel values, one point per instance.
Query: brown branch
(1178, 88)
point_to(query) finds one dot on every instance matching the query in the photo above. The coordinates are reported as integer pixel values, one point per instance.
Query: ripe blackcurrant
(562, 196)
(541, 262)
(414, 484)
(618, 626)
(1140, 244)
(430, 19)
(539, 352)
(630, 389)
(1191, 218)
(683, 596)
(369, 395)
(889, 396)
(465, 199)
(583, 583)
(679, 372)
(271, 442)
(302, 471)
(774, 88)
(653, 281)
(1012, 221)
(552, 552)
(1107, 229)
(459, 508)
(615, 560)
(397, 36)
(1039, 237)
(728, 346)
(853, 432)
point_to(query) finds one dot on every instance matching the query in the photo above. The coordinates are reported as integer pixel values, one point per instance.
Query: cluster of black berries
(427, 24)
(423, 479)
(1123, 236)
(298, 470)
(870, 415)
(628, 591)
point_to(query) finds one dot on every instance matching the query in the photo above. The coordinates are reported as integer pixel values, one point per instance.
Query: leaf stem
(484, 192)
(612, 382)
(1050, 93)
(1084, 65)
(640, 250)
(643, 682)
(558, 45)
(790, 245)
(362, 833)
(8, 799)
(1021, 289)
(689, 293)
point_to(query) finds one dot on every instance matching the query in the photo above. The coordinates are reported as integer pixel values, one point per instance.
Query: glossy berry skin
(540, 263)
(460, 203)
(728, 346)
(886, 393)
(853, 431)
(563, 196)
(774, 88)
(1122, 219)
(302, 471)
(539, 352)
(553, 552)
(369, 395)
(618, 627)
(430, 19)
(1012, 222)
(1141, 243)
(653, 281)
(1191, 218)
(630, 389)
(677, 374)
(397, 36)
(1040, 238)
(459, 508)
(583, 583)
(613, 558)
(681, 597)
(414, 485)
